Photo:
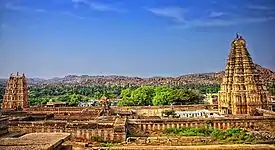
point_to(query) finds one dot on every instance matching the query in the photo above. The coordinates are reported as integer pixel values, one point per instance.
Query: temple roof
(17, 75)
(239, 40)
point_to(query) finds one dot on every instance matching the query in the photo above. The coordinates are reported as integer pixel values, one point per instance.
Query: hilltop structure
(242, 90)
(16, 93)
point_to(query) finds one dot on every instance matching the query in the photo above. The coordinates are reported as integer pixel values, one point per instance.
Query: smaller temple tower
(16, 93)
(242, 90)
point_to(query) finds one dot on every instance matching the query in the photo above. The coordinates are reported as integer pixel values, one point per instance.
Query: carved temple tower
(242, 90)
(16, 93)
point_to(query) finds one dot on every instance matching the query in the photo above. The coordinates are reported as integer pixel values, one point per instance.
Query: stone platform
(35, 141)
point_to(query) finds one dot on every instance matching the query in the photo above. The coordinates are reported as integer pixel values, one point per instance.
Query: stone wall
(157, 110)
(265, 112)
(3, 125)
(67, 113)
(81, 131)
(152, 127)
(64, 110)
(139, 110)
(172, 141)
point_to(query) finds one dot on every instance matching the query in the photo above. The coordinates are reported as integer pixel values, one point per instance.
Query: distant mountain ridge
(198, 78)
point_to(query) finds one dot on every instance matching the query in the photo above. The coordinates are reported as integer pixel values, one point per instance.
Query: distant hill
(200, 78)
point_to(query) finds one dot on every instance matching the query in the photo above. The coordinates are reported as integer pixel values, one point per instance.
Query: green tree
(143, 96)
(74, 99)
(162, 96)
(126, 99)
(185, 96)
(126, 94)
(63, 98)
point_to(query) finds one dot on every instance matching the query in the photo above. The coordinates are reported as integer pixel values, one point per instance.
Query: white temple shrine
(198, 113)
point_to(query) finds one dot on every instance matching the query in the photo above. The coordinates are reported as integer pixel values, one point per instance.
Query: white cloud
(13, 7)
(70, 14)
(221, 23)
(216, 14)
(20, 8)
(213, 19)
(98, 6)
(176, 13)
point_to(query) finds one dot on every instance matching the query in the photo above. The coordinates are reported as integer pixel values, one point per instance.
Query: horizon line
(108, 75)
(125, 75)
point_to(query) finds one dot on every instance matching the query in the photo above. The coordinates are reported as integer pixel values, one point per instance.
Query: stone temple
(16, 93)
(242, 90)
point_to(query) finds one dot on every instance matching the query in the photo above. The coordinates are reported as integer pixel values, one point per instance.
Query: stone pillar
(78, 133)
(88, 136)
(196, 125)
(105, 134)
(111, 135)
(102, 135)
(158, 126)
(93, 132)
(140, 126)
(241, 124)
(144, 127)
(153, 127)
(215, 125)
(228, 125)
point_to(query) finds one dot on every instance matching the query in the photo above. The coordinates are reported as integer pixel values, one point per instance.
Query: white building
(198, 113)
(89, 103)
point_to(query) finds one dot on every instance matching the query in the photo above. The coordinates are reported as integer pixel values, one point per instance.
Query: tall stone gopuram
(16, 93)
(242, 90)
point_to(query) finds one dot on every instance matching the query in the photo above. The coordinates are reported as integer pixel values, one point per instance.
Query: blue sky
(49, 38)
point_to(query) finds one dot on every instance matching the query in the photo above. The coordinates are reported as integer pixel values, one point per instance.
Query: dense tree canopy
(72, 94)
(130, 95)
(163, 96)
(148, 95)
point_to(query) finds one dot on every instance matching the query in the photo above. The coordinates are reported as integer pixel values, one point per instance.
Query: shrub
(169, 113)
(95, 138)
(106, 144)
(234, 135)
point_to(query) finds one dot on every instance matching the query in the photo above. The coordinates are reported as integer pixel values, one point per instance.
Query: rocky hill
(201, 78)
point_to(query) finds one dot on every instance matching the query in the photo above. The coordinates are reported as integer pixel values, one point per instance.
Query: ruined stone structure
(112, 129)
(115, 128)
(139, 110)
(152, 127)
(37, 141)
(242, 91)
(3, 125)
(16, 93)
(106, 110)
